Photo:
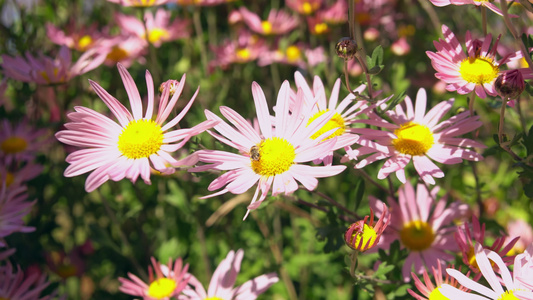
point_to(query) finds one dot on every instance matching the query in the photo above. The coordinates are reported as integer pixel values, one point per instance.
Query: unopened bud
(173, 85)
(510, 84)
(363, 235)
(346, 48)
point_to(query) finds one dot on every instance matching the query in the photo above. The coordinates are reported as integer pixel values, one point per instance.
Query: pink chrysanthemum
(246, 48)
(159, 27)
(78, 37)
(223, 280)
(523, 230)
(423, 225)
(136, 144)
(21, 142)
(13, 208)
(295, 55)
(336, 14)
(419, 136)
(523, 267)
(475, 71)
(469, 236)
(486, 4)
(514, 289)
(124, 49)
(46, 70)
(277, 23)
(162, 286)
(19, 174)
(304, 7)
(271, 158)
(13, 285)
(431, 291)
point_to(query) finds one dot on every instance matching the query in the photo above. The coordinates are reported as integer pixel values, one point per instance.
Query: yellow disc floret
(85, 41)
(417, 235)
(478, 70)
(335, 122)
(157, 34)
(117, 54)
(508, 295)
(13, 145)
(276, 156)
(141, 138)
(243, 54)
(437, 295)
(162, 288)
(267, 27)
(213, 298)
(321, 28)
(413, 139)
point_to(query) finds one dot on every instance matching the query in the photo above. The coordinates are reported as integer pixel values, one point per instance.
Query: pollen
(276, 156)
(508, 295)
(157, 34)
(162, 288)
(335, 122)
(267, 27)
(85, 41)
(417, 235)
(321, 28)
(141, 138)
(307, 8)
(437, 295)
(365, 236)
(293, 53)
(478, 70)
(413, 139)
(243, 54)
(13, 145)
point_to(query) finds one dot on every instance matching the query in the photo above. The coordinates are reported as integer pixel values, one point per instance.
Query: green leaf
(375, 70)
(377, 56)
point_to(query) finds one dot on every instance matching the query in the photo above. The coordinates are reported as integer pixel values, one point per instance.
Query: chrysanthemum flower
(346, 112)
(14, 285)
(21, 142)
(46, 70)
(80, 38)
(135, 145)
(423, 225)
(19, 175)
(162, 286)
(223, 280)
(271, 158)
(13, 208)
(363, 235)
(431, 291)
(246, 48)
(487, 4)
(141, 3)
(418, 136)
(521, 229)
(158, 26)
(277, 23)
(296, 55)
(123, 49)
(467, 238)
(514, 289)
(475, 71)
(304, 7)
(336, 14)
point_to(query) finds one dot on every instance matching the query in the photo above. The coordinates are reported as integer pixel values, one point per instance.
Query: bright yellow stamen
(146, 3)
(335, 122)
(367, 234)
(437, 295)
(417, 235)
(307, 8)
(117, 54)
(162, 288)
(267, 27)
(478, 70)
(276, 156)
(413, 139)
(157, 34)
(85, 41)
(9, 179)
(13, 144)
(141, 138)
(523, 63)
(243, 54)
(508, 295)
(210, 298)
(321, 28)
(45, 75)
(293, 53)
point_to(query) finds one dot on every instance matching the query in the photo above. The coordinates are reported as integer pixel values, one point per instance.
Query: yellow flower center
(367, 234)
(437, 295)
(45, 75)
(293, 53)
(144, 3)
(117, 54)
(307, 8)
(210, 298)
(335, 122)
(162, 288)
(413, 139)
(508, 295)
(276, 156)
(478, 70)
(267, 27)
(13, 144)
(243, 54)
(141, 138)
(9, 179)
(321, 28)
(417, 235)
(157, 34)
(84, 42)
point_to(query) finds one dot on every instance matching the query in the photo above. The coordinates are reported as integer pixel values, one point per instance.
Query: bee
(254, 153)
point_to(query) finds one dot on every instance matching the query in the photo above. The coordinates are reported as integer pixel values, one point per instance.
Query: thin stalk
(325, 210)
(367, 75)
(478, 188)
(353, 265)
(471, 103)
(152, 55)
(337, 204)
(274, 72)
(502, 116)
(430, 10)
(521, 116)
(484, 19)
(200, 37)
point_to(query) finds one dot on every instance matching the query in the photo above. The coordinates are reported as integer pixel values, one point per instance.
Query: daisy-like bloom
(431, 291)
(21, 142)
(423, 224)
(514, 289)
(123, 49)
(159, 27)
(13, 208)
(346, 112)
(162, 286)
(141, 3)
(523, 230)
(418, 136)
(78, 37)
(271, 158)
(475, 71)
(136, 144)
(336, 14)
(277, 23)
(246, 48)
(304, 7)
(469, 236)
(47, 70)
(223, 280)
(317, 26)
(295, 55)
(487, 4)
(363, 235)
(18, 175)
(15, 285)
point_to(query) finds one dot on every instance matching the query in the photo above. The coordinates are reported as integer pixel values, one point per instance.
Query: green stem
(200, 37)
(471, 103)
(502, 116)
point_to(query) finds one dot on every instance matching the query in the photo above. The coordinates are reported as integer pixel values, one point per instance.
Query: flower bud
(363, 235)
(346, 48)
(510, 84)
(173, 85)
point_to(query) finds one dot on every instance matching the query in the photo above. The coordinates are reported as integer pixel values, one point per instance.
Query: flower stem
(471, 103)
(502, 115)
(484, 19)
(200, 37)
